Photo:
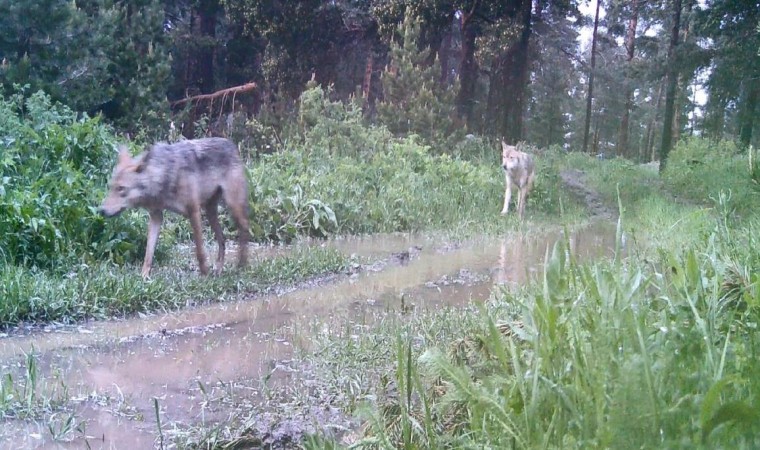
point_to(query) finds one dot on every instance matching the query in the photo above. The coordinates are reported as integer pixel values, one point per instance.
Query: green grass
(656, 350)
(30, 396)
(106, 290)
(591, 356)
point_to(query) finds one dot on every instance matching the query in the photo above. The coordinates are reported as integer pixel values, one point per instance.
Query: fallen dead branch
(224, 93)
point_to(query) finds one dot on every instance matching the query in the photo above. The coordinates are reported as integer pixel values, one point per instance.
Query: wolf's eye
(121, 190)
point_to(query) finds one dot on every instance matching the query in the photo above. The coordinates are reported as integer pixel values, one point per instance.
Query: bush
(52, 181)
(403, 188)
(700, 170)
(335, 127)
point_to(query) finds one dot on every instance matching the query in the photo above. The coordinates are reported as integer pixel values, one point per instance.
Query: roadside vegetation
(61, 261)
(652, 349)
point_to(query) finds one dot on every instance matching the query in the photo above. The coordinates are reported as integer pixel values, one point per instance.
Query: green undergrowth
(624, 353)
(702, 171)
(654, 348)
(332, 174)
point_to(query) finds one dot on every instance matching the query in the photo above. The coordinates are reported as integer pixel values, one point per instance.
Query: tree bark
(468, 67)
(444, 52)
(649, 148)
(670, 93)
(207, 16)
(509, 79)
(590, 93)
(630, 42)
(747, 110)
(367, 81)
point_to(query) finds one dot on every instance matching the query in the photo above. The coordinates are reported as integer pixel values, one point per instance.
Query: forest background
(645, 74)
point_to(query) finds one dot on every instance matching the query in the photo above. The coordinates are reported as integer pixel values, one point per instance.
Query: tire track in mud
(574, 179)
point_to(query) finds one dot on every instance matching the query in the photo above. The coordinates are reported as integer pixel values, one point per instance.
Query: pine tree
(414, 102)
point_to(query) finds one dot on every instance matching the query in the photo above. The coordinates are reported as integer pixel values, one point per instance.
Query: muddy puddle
(117, 372)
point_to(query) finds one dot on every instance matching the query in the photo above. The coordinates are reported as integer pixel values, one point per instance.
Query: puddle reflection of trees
(519, 259)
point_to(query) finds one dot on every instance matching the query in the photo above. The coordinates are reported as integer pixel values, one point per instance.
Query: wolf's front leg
(518, 206)
(154, 226)
(507, 195)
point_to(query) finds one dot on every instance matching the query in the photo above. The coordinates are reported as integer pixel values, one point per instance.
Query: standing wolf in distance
(184, 178)
(519, 171)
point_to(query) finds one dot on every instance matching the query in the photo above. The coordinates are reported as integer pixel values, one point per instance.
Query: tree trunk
(444, 53)
(683, 78)
(590, 93)
(367, 81)
(509, 79)
(715, 116)
(207, 16)
(649, 148)
(630, 42)
(747, 110)
(468, 67)
(670, 93)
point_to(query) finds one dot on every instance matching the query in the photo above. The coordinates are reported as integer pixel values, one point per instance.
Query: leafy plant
(53, 174)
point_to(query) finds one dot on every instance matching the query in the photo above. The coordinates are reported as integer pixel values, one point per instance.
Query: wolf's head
(125, 188)
(510, 156)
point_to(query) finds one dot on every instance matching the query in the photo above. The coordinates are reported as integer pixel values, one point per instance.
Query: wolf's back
(208, 154)
(208, 164)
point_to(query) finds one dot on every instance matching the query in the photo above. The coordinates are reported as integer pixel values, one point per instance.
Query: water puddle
(179, 359)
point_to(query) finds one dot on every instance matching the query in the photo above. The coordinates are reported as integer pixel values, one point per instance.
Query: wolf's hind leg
(212, 214)
(195, 222)
(236, 198)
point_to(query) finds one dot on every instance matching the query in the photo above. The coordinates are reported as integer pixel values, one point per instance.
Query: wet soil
(573, 179)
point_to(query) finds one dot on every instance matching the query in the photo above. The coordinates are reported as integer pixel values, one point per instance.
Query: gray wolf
(519, 171)
(184, 178)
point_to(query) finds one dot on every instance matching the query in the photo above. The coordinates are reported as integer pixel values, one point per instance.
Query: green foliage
(414, 101)
(402, 188)
(702, 170)
(37, 43)
(283, 214)
(100, 56)
(733, 77)
(52, 181)
(588, 356)
(336, 127)
(102, 291)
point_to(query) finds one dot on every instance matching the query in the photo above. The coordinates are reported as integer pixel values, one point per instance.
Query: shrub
(336, 128)
(52, 181)
(700, 170)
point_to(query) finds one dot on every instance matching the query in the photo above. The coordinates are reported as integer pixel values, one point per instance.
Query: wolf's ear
(504, 147)
(141, 162)
(124, 156)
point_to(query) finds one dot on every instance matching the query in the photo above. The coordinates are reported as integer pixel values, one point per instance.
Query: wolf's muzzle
(105, 213)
